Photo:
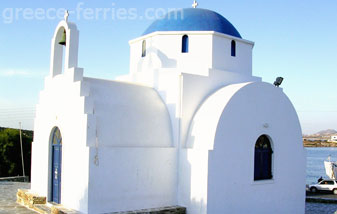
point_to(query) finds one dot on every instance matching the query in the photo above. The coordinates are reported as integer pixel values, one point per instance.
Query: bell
(63, 39)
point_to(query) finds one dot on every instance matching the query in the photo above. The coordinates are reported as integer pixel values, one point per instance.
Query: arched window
(263, 159)
(56, 136)
(144, 49)
(184, 48)
(233, 48)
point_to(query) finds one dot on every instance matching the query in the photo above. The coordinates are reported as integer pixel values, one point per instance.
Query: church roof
(193, 19)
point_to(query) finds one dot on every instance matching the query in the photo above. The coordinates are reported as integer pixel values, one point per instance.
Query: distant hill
(327, 132)
(24, 130)
(322, 134)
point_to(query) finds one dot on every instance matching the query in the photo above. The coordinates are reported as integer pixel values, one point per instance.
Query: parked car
(324, 185)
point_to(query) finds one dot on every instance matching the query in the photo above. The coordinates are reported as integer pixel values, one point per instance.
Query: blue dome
(193, 19)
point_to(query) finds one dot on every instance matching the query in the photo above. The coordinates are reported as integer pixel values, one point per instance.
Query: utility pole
(23, 164)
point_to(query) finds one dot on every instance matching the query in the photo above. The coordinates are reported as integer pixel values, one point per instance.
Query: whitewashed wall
(132, 178)
(137, 161)
(207, 49)
(221, 54)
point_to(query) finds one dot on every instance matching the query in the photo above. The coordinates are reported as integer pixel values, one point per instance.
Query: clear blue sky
(293, 39)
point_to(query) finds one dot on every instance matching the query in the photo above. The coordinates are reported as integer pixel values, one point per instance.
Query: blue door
(56, 165)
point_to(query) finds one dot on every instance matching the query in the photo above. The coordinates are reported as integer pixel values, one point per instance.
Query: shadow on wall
(155, 58)
(193, 180)
(83, 203)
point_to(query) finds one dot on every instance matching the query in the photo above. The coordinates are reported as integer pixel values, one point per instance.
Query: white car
(324, 185)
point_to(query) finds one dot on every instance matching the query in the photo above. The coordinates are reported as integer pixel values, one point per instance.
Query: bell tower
(66, 36)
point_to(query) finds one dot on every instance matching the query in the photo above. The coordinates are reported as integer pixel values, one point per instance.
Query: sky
(293, 39)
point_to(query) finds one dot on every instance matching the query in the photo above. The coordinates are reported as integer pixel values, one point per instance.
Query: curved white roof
(129, 115)
(238, 105)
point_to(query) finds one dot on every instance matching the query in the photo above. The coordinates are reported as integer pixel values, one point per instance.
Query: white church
(189, 126)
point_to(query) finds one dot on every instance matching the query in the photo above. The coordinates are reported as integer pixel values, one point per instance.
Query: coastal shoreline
(319, 143)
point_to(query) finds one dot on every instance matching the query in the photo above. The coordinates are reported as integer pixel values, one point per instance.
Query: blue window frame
(233, 48)
(263, 159)
(184, 48)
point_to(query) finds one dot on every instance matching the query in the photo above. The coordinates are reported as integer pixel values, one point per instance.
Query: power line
(10, 108)
(21, 113)
(18, 114)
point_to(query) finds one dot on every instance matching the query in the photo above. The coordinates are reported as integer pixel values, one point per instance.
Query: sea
(315, 162)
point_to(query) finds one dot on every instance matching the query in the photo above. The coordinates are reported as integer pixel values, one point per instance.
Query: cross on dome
(195, 4)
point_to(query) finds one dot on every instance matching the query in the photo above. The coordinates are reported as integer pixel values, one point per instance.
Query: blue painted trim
(56, 165)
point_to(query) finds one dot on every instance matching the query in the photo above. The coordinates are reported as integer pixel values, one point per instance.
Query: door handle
(56, 173)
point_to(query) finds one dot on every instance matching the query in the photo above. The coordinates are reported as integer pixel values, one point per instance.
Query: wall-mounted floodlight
(278, 81)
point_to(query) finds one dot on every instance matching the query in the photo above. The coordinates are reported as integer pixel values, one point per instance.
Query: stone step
(25, 198)
(38, 204)
(161, 210)
(42, 208)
